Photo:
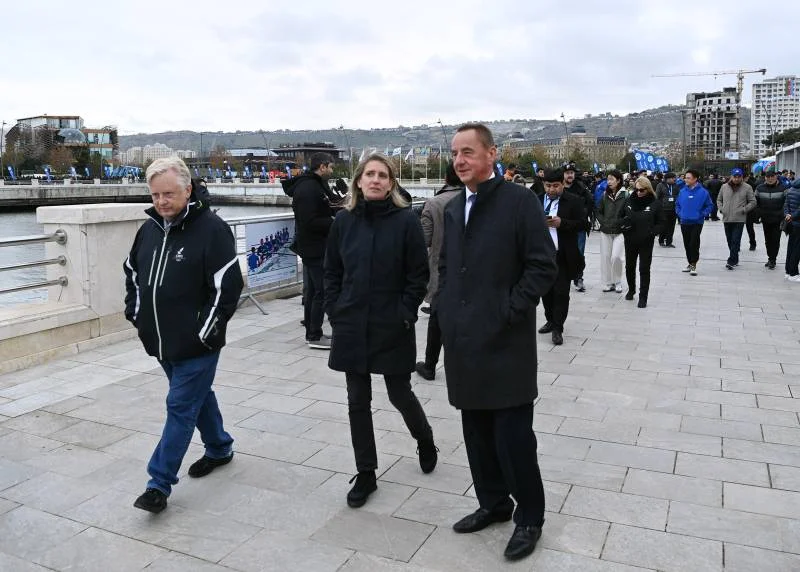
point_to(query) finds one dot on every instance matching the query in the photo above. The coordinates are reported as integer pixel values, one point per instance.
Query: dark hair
(484, 134)
(318, 160)
(553, 176)
(670, 175)
(617, 174)
(451, 177)
(512, 167)
(694, 172)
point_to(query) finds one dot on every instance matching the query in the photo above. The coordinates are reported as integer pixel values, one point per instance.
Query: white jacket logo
(179, 255)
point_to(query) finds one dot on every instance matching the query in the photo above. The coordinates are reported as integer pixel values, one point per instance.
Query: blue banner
(219, 173)
(47, 173)
(289, 171)
(596, 168)
(651, 161)
(72, 172)
(641, 161)
(196, 172)
(88, 172)
(500, 169)
(11, 172)
(535, 166)
(210, 172)
(264, 171)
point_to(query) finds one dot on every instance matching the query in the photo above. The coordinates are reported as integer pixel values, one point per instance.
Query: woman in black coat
(642, 219)
(376, 275)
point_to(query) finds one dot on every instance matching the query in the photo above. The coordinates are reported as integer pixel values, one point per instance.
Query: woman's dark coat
(643, 218)
(491, 276)
(376, 275)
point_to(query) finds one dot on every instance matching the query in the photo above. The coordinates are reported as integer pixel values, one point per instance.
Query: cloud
(155, 66)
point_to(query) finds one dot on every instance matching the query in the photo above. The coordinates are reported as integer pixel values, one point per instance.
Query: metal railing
(59, 237)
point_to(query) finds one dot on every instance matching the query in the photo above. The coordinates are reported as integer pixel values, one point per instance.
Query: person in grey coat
(497, 261)
(734, 201)
(433, 227)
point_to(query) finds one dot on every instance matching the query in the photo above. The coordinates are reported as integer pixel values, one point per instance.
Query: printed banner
(269, 259)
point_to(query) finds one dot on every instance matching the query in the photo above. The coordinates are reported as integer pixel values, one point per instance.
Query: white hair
(174, 164)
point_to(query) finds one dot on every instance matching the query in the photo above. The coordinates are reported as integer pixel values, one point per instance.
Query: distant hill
(659, 125)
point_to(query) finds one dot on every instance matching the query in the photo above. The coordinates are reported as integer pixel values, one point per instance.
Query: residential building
(53, 131)
(143, 155)
(776, 108)
(599, 149)
(713, 128)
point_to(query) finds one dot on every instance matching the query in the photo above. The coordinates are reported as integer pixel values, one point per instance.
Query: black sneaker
(365, 486)
(729, 267)
(770, 265)
(546, 329)
(629, 295)
(151, 500)
(424, 371)
(205, 465)
(428, 455)
(425, 310)
(324, 343)
(579, 285)
(752, 247)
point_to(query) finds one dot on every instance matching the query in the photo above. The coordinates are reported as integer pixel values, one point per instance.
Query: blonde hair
(644, 182)
(356, 194)
(174, 164)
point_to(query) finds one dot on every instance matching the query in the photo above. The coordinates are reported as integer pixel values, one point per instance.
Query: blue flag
(47, 173)
(196, 172)
(289, 171)
(210, 172)
(500, 169)
(535, 166)
(219, 173)
(72, 172)
(11, 172)
(88, 172)
(264, 171)
(596, 168)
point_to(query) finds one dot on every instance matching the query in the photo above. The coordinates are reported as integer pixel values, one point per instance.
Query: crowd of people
(482, 253)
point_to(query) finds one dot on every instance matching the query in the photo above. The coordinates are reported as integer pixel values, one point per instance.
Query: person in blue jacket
(693, 206)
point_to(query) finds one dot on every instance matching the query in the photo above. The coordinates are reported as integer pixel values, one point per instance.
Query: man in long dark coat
(496, 262)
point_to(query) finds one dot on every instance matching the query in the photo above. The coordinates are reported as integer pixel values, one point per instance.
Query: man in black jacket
(313, 217)
(667, 194)
(182, 281)
(565, 219)
(770, 196)
(497, 260)
(579, 190)
(713, 186)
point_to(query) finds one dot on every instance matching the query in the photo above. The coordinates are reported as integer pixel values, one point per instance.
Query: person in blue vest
(692, 207)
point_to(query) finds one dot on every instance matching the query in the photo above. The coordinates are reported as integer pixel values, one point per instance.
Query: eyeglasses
(640, 189)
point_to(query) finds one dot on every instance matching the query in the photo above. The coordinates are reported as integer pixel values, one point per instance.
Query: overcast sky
(150, 66)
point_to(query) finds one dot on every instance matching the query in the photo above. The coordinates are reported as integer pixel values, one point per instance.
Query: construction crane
(738, 73)
(739, 89)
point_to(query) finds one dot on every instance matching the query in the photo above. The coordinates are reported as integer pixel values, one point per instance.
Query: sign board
(732, 155)
(269, 260)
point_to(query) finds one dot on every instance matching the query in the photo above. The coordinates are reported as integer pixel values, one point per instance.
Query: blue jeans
(190, 403)
(581, 248)
(733, 234)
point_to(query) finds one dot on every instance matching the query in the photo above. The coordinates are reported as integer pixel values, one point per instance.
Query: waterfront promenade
(669, 440)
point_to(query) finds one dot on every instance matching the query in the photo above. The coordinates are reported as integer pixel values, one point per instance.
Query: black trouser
(714, 213)
(313, 307)
(556, 301)
(751, 232)
(434, 344)
(644, 252)
(691, 241)
(359, 399)
(501, 449)
(668, 230)
(793, 252)
(772, 238)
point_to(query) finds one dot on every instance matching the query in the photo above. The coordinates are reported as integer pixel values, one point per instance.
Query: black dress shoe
(629, 295)
(522, 542)
(424, 371)
(480, 519)
(546, 329)
(428, 455)
(205, 465)
(151, 500)
(425, 310)
(365, 486)
(558, 338)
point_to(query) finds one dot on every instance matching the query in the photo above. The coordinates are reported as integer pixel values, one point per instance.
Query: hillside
(659, 125)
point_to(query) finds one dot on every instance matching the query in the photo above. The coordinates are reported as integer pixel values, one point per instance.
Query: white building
(776, 108)
(713, 128)
(142, 155)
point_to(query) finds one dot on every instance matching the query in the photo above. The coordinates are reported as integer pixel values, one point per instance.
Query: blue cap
(737, 172)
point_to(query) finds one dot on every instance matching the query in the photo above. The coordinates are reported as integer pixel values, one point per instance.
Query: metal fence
(58, 236)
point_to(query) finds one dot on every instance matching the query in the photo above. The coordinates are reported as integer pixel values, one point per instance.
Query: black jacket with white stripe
(182, 283)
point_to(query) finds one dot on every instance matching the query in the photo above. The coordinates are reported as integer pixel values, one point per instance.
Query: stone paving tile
(662, 550)
(734, 526)
(722, 428)
(729, 470)
(761, 452)
(763, 501)
(758, 415)
(39, 423)
(446, 478)
(781, 435)
(478, 552)
(746, 559)
(54, 493)
(616, 507)
(91, 435)
(632, 456)
(26, 532)
(575, 472)
(753, 387)
(786, 478)
(680, 441)
(94, 550)
(376, 534)
(544, 559)
(17, 446)
(673, 487)
(71, 460)
(274, 551)
(341, 460)
(601, 431)
(12, 563)
(176, 562)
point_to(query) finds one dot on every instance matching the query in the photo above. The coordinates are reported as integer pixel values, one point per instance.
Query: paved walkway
(669, 440)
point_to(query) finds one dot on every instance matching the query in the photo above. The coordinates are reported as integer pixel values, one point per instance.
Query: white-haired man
(183, 283)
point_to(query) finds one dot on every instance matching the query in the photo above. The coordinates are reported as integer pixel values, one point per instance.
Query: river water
(21, 223)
